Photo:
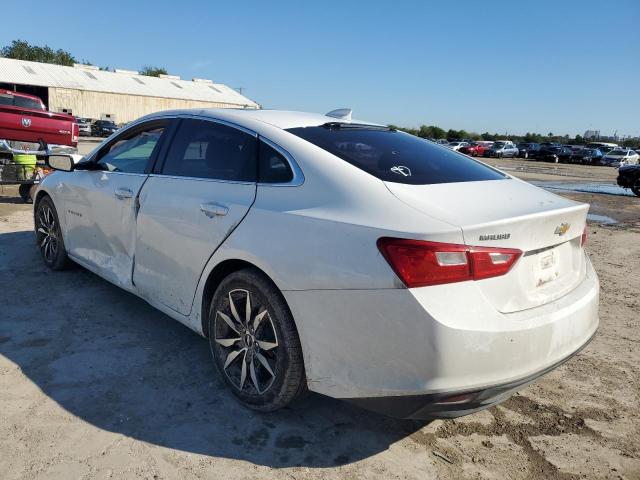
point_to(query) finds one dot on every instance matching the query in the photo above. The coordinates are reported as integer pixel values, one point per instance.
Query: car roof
(283, 119)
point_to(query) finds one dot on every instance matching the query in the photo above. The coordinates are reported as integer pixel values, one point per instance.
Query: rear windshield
(17, 101)
(394, 156)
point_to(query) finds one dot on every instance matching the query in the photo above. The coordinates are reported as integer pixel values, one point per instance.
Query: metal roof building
(122, 96)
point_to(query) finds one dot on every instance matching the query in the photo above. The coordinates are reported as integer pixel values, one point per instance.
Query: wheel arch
(215, 277)
(39, 196)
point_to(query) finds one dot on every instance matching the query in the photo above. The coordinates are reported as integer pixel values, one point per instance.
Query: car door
(201, 192)
(101, 201)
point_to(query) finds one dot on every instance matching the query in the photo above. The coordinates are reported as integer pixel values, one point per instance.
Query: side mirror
(64, 163)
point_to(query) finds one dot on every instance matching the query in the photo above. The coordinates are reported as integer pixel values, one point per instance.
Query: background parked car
(103, 128)
(587, 156)
(620, 156)
(84, 126)
(457, 145)
(502, 149)
(528, 150)
(566, 152)
(554, 153)
(473, 149)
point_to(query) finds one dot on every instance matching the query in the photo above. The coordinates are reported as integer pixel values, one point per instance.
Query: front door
(102, 202)
(204, 189)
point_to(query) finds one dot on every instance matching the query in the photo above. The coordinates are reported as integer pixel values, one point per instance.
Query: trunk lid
(513, 214)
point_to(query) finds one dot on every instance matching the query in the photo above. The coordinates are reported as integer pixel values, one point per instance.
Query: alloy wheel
(247, 342)
(47, 233)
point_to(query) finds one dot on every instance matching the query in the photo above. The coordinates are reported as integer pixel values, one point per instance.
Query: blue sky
(502, 66)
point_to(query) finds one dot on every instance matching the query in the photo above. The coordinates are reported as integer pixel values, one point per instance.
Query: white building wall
(121, 107)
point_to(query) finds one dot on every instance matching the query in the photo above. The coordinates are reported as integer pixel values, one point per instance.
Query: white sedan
(317, 252)
(619, 157)
(457, 145)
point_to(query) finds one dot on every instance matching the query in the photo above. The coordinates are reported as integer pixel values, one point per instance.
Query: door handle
(122, 193)
(213, 210)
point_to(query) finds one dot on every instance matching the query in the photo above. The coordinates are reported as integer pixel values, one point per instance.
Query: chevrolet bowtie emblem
(562, 229)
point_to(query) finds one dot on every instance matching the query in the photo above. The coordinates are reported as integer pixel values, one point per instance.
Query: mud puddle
(604, 188)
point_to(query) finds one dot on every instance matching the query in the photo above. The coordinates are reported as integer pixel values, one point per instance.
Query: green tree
(22, 50)
(438, 132)
(453, 134)
(153, 71)
(487, 136)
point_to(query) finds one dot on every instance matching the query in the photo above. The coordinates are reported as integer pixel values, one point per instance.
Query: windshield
(395, 156)
(108, 124)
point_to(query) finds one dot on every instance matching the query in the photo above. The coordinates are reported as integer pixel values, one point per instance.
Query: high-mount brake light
(420, 263)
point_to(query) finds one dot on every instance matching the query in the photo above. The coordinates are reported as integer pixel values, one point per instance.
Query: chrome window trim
(222, 122)
(115, 173)
(298, 176)
(200, 179)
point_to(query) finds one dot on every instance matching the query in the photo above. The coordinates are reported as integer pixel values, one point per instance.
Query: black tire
(263, 387)
(635, 188)
(25, 192)
(49, 236)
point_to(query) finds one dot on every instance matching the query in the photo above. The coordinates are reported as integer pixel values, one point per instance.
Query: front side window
(206, 149)
(131, 154)
(394, 156)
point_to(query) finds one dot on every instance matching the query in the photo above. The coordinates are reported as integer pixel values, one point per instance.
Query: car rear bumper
(405, 351)
(453, 404)
(5, 147)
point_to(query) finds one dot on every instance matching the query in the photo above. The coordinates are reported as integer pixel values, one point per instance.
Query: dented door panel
(180, 224)
(101, 224)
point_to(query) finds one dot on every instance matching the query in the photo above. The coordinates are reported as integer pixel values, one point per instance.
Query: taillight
(583, 240)
(420, 263)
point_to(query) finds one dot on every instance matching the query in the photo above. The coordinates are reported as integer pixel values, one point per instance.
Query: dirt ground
(95, 383)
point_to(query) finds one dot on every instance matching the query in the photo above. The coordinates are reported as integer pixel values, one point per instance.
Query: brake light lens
(583, 240)
(75, 132)
(420, 263)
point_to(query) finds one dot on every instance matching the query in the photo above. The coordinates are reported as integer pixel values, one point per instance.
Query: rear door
(101, 201)
(200, 193)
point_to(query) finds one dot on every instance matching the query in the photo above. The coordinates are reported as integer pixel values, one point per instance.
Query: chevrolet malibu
(316, 252)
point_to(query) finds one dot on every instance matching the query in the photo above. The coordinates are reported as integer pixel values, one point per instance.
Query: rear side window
(394, 156)
(272, 166)
(205, 149)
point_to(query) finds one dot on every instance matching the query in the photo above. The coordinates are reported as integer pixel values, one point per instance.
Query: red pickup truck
(27, 127)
